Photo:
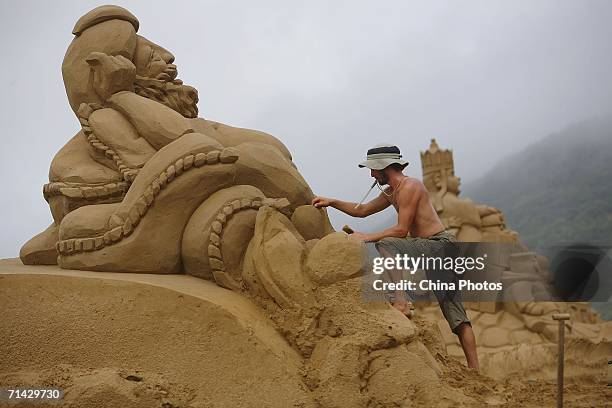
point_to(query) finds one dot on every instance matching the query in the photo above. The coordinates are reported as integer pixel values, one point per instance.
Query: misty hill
(558, 189)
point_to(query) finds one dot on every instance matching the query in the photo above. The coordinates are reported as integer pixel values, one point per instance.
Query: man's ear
(387, 171)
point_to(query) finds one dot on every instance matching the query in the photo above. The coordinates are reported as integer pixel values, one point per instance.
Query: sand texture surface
(189, 342)
(139, 340)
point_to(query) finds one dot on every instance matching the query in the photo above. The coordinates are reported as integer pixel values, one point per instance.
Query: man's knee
(385, 247)
(383, 252)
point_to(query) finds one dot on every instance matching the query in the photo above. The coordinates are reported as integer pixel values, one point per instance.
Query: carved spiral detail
(215, 256)
(85, 109)
(122, 228)
(85, 191)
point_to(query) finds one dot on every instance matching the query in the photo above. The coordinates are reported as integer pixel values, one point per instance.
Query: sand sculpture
(468, 221)
(144, 173)
(515, 319)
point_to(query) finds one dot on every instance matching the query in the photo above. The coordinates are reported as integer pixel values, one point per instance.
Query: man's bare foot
(405, 307)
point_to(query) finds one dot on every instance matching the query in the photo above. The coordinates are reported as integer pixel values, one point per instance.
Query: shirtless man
(418, 231)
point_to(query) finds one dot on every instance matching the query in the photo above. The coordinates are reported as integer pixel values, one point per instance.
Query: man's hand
(321, 202)
(360, 236)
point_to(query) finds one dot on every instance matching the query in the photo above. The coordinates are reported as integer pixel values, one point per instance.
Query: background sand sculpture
(146, 186)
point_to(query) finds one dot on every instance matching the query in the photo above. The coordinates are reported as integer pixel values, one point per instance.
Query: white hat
(381, 156)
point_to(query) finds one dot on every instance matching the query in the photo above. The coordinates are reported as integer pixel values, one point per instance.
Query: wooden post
(561, 317)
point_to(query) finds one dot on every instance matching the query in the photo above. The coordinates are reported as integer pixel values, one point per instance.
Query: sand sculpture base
(142, 340)
(110, 339)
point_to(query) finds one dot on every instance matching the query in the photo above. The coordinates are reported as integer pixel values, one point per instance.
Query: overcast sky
(329, 78)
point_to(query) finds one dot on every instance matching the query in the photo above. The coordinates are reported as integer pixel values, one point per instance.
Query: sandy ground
(86, 334)
(128, 340)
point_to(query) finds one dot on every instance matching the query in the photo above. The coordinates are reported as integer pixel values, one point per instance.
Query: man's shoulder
(412, 189)
(415, 182)
(412, 185)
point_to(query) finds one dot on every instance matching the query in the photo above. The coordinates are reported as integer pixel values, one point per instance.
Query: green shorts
(436, 245)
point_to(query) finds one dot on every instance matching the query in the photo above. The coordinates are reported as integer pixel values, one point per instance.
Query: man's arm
(407, 201)
(376, 205)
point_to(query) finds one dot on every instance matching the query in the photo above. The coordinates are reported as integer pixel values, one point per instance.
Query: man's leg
(399, 298)
(457, 319)
(468, 343)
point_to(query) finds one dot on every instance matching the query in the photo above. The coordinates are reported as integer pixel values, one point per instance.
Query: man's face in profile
(380, 176)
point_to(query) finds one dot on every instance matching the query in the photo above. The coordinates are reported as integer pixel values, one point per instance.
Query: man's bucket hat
(381, 156)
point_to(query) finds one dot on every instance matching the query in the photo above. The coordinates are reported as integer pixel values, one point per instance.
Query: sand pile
(176, 341)
(86, 335)
(145, 340)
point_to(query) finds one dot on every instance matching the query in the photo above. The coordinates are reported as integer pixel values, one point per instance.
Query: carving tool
(347, 229)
